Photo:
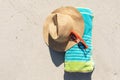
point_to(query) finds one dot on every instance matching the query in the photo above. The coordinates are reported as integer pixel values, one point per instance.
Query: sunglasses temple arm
(79, 39)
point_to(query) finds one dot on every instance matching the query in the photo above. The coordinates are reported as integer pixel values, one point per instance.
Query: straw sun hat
(58, 26)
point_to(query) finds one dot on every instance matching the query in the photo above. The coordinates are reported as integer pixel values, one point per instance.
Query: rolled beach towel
(77, 58)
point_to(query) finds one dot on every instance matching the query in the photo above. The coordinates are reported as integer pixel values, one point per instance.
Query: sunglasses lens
(81, 45)
(73, 37)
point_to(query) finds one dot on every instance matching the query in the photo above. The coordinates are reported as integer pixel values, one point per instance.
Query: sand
(25, 56)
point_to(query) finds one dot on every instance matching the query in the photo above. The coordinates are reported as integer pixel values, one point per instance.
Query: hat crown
(58, 26)
(61, 27)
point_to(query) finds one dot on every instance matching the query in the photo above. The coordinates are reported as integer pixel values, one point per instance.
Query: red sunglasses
(75, 37)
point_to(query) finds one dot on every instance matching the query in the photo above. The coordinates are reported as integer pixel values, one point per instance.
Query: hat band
(76, 38)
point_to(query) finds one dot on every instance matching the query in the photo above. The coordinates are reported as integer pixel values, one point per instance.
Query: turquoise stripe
(78, 51)
(87, 36)
(88, 42)
(88, 25)
(77, 59)
(69, 55)
(76, 46)
(79, 56)
(85, 10)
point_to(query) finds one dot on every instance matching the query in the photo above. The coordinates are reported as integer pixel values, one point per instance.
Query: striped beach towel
(76, 58)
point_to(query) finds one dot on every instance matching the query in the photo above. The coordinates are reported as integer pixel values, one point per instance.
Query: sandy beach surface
(25, 56)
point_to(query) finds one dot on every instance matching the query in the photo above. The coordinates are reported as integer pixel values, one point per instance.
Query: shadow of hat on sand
(57, 57)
